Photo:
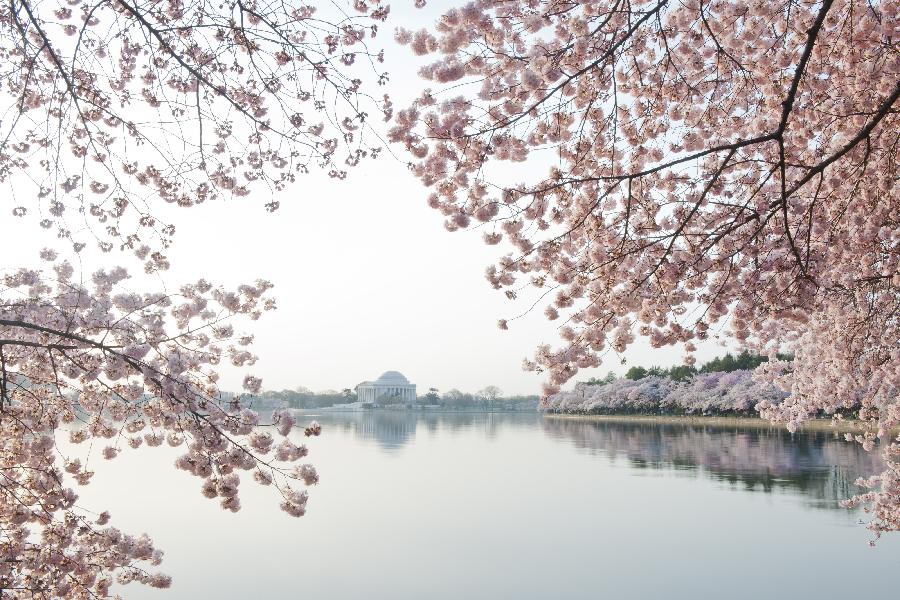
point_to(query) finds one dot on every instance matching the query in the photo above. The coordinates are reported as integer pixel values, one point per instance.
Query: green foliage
(431, 397)
(610, 377)
(743, 361)
(681, 372)
(635, 373)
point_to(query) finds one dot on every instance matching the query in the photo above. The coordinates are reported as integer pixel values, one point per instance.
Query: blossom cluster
(126, 103)
(116, 370)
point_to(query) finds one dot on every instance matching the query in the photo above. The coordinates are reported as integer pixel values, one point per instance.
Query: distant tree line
(725, 364)
(303, 397)
(489, 398)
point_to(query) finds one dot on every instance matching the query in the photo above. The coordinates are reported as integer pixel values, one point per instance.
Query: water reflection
(819, 465)
(391, 430)
(519, 507)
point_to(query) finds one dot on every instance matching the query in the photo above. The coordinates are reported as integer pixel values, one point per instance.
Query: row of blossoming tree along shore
(720, 393)
(723, 386)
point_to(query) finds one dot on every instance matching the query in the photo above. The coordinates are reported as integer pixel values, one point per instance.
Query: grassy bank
(711, 421)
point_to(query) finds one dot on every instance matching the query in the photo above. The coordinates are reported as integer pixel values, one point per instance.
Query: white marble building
(391, 388)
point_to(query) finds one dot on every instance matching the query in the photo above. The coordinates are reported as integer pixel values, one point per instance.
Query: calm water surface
(519, 506)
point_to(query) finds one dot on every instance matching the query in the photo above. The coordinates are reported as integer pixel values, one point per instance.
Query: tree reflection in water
(820, 465)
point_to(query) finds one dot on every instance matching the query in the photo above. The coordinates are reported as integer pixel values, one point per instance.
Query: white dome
(392, 378)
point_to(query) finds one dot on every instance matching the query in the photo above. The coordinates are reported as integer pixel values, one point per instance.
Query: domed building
(391, 388)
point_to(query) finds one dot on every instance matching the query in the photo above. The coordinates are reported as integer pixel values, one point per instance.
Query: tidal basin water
(520, 506)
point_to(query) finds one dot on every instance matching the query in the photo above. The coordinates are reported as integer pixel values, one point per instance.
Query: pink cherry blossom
(89, 360)
(681, 171)
(234, 97)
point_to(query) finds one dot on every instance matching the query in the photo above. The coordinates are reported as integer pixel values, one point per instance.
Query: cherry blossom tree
(707, 393)
(117, 105)
(110, 110)
(121, 370)
(676, 170)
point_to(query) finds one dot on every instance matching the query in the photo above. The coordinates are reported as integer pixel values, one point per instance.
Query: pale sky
(367, 278)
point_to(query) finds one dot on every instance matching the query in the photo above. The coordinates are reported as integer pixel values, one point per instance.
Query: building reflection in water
(392, 430)
(819, 465)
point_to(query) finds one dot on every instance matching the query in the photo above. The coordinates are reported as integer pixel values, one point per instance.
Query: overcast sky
(367, 278)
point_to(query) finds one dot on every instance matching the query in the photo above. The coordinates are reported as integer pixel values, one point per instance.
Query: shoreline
(714, 421)
(822, 425)
(316, 411)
